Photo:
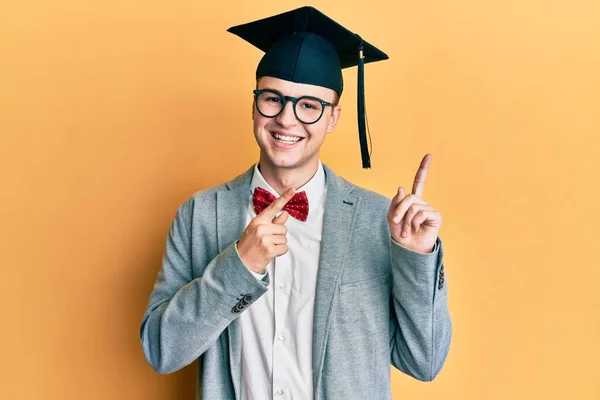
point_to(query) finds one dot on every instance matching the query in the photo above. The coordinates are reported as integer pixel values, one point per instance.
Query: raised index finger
(419, 183)
(277, 204)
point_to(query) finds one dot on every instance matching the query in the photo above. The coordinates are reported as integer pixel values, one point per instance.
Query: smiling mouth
(286, 139)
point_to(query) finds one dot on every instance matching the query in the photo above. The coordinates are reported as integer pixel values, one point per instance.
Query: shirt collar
(314, 188)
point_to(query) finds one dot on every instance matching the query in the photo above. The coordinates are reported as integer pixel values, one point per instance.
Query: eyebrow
(303, 95)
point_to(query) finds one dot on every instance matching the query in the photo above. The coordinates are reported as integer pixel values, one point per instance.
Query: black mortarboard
(306, 46)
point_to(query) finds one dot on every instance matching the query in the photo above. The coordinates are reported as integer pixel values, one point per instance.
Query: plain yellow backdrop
(112, 113)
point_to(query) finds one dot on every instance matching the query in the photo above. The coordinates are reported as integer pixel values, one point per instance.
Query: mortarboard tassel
(362, 129)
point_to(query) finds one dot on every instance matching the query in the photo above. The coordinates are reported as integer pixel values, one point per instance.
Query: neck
(281, 179)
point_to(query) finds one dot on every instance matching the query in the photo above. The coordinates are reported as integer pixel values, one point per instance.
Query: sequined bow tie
(297, 207)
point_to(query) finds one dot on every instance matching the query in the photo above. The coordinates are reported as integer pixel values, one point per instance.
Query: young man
(288, 281)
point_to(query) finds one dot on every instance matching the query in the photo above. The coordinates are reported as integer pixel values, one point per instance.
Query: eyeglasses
(308, 109)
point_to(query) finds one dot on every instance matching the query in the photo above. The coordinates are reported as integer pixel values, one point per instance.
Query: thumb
(280, 220)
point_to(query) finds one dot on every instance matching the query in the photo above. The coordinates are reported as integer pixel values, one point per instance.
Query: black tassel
(362, 128)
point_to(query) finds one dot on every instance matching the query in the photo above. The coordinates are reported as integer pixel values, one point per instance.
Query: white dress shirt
(277, 330)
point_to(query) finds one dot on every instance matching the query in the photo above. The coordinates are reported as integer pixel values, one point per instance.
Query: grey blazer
(376, 302)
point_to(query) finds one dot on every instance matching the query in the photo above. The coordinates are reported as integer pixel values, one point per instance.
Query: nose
(287, 116)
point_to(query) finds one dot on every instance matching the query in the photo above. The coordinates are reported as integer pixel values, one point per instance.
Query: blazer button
(246, 299)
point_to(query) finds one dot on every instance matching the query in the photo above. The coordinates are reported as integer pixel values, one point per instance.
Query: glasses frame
(294, 100)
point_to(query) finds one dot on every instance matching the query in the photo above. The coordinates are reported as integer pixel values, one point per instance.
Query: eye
(309, 106)
(273, 99)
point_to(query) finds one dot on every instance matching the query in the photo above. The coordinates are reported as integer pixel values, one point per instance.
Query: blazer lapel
(340, 208)
(231, 221)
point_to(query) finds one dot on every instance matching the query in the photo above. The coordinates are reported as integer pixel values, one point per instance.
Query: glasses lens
(269, 103)
(308, 110)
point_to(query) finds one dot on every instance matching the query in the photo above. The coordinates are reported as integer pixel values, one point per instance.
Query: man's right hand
(265, 236)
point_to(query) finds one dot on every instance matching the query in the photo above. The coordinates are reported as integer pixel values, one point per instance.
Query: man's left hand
(413, 222)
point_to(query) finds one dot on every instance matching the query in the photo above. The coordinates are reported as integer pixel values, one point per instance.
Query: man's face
(280, 152)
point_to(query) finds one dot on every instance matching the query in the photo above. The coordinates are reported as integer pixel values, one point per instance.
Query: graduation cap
(306, 46)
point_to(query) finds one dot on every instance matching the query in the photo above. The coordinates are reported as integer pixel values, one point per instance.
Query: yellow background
(114, 112)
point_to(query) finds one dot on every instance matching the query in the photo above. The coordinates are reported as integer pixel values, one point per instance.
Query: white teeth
(286, 139)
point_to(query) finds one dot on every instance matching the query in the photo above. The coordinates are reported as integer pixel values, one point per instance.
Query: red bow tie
(297, 207)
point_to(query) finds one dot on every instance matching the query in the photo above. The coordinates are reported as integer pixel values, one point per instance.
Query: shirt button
(281, 286)
(279, 392)
(280, 339)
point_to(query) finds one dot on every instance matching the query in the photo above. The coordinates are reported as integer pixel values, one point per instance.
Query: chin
(283, 162)
(286, 163)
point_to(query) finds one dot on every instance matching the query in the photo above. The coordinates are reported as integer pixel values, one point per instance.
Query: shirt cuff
(260, 277)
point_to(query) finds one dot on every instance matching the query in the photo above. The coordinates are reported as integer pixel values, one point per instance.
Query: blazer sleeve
(420, 330)
(185, 316)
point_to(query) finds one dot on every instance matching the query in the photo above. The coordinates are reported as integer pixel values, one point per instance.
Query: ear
(333, 120)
